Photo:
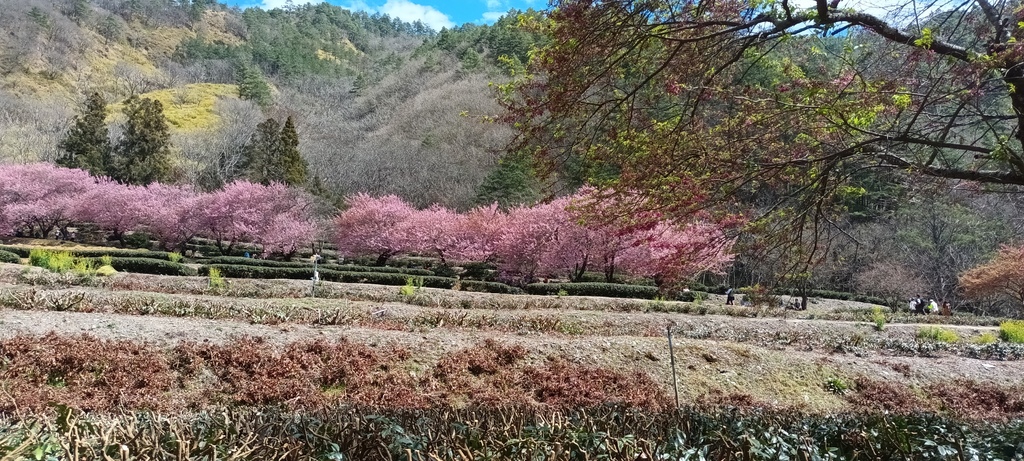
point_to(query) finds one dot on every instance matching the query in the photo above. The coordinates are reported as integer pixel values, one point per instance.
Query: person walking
(730, 298)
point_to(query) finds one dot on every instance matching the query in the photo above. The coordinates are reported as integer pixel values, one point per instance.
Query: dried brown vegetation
(103, 375)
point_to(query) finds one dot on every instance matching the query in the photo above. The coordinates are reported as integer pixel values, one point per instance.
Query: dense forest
(342, 102)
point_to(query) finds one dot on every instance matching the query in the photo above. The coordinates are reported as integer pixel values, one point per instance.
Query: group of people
(919, 305)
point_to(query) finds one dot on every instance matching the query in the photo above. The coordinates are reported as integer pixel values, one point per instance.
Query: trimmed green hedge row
(691, 296)
(330, 275)
(8, 257)
(115, 252)
(612, 290)
(236, 261)
(149, 266)
(826, 294)
(489, 287)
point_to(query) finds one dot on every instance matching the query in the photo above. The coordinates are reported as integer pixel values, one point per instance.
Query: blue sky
(434, 13)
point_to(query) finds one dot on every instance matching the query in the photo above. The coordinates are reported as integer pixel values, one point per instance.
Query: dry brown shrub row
(960, 398)
(110, 375)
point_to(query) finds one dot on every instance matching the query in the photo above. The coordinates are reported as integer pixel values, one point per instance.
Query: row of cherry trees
(37, 199)
(548, 240)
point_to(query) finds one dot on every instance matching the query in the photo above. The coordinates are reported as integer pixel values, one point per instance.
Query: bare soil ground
(810, 364)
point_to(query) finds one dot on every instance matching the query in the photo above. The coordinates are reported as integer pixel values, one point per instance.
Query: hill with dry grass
(377, 101)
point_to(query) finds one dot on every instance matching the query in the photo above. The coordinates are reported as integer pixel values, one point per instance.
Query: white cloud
(271, 4)
(491, 16)
(360, 5)
(410, 12)
(403, 9)
(493, 4)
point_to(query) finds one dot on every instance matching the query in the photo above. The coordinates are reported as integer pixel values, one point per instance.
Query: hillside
(376, 101)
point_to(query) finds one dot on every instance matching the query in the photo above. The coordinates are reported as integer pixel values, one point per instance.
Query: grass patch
(986, 338)
(190, 107)
(54, 261)
(1012, 331)
(939, 334)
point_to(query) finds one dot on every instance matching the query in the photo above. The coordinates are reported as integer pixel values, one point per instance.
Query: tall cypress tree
(261, 152)
(143, 154)
(87, 143)
(293, 168)
(272, 154)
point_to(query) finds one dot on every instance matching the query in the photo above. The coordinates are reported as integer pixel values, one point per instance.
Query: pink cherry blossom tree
(672, 254)
(40, 197)
(479, 233)
(175, 214)
(371, 226)
(433, 231)
(276, 217)
(530, 233)
(115, 208)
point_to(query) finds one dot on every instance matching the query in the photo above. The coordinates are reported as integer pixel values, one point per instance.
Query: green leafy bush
(8, 257)
(611, 290)
(84, 266)
(1012, 331)
(836, 386)
(150, 266)
(216, 280)
(878, 317)
(942, 335)
(412, 286)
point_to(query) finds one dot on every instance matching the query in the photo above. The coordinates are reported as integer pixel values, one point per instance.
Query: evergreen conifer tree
(292, 166)
(512, 183)
(143, 154)
(252, 86)
(262, 151)
(87, 143)
(272, 154)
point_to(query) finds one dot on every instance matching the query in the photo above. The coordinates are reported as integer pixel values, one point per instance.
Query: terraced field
(116, 346)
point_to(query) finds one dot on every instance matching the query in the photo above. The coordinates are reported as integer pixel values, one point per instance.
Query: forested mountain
(379, 105)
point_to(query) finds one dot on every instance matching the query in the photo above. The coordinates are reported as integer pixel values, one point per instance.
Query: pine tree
(87, 144)
(292, 166)
(79, 11)
(261, 152)
(512, 183)
(110, 29)
(143, 154)
(252, 86)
